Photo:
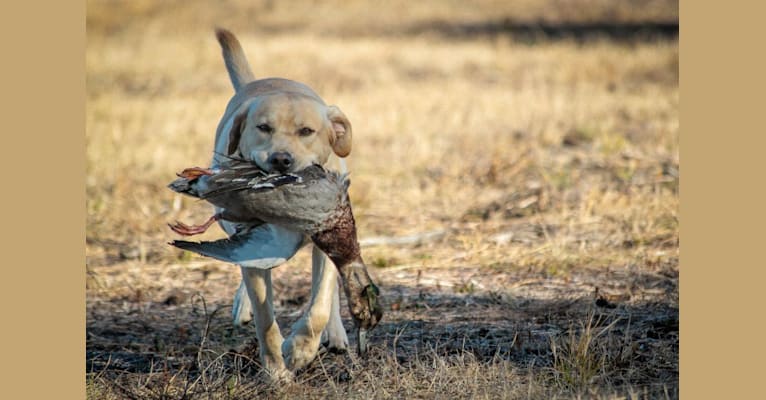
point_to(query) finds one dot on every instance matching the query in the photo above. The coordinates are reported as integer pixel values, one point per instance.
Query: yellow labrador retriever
(282, 126)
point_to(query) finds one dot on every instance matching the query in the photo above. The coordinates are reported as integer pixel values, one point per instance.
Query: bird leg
(361, 292)
(363, 300)
(188, 230)
(194, 173)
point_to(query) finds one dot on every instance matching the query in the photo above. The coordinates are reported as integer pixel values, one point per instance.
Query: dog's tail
(236, 62)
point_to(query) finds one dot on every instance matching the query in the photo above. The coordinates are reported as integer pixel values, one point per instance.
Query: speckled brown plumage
(342, 229)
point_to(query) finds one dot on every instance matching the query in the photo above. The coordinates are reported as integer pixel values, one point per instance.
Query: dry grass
(550, 166)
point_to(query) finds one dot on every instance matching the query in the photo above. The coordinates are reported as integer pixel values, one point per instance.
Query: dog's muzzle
(280, 161)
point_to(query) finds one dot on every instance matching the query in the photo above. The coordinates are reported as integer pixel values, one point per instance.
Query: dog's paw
(279, 377)
(335, 343)
(300, 351)
(334, 348)
(334, 337)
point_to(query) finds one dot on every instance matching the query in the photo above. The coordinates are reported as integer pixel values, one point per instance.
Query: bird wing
(256, 184)
(263, 247)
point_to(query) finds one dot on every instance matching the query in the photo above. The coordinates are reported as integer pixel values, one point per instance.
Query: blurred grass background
(452, 125)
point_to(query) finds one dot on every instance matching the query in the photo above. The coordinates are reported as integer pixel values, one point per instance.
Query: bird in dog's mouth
(312, 201)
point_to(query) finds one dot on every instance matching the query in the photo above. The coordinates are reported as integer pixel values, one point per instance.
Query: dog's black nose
(280, 161)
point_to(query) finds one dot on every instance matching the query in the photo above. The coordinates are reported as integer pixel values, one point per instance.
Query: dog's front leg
(258, 285)
(334, 337)
(267, 246)
(302, 345)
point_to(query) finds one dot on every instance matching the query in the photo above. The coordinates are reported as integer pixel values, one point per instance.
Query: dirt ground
(528, 150)
(436, 319)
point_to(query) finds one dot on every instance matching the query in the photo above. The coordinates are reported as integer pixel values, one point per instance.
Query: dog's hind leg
(241, 311)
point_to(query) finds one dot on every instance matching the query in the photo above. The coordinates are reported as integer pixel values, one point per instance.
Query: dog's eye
(264, 128)
(306, 131)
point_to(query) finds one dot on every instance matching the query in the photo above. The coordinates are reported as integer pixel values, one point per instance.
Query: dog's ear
(235, 133)
(340, 132)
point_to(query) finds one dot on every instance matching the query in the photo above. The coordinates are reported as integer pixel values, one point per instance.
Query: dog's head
(288, 131)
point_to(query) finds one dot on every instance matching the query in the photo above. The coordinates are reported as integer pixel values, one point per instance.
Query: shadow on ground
(625, 340)
(534, 31)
